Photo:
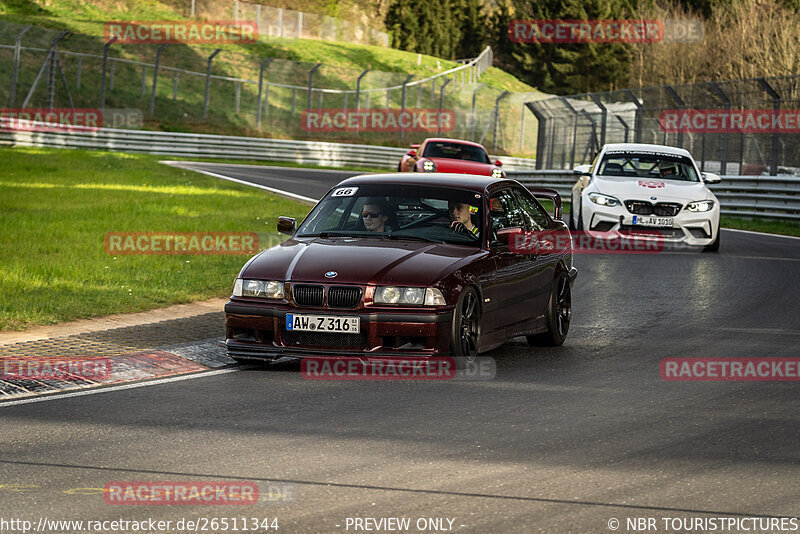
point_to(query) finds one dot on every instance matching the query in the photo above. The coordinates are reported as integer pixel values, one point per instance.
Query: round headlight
(274, 290)
(391, 295)
(254, 288)
(415, 295)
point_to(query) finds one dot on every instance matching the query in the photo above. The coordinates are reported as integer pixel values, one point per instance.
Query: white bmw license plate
(323, 323)
(660, 222)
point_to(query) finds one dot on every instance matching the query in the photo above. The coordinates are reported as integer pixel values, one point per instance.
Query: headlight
(603, 200)
(428, 166)
(700, 205)
(268, 289)
(415, 296)
(497, 173)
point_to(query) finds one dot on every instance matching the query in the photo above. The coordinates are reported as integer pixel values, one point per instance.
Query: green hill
(232, 104)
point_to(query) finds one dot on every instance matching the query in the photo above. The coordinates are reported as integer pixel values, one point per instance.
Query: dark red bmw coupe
(404, 265)
(451, 155)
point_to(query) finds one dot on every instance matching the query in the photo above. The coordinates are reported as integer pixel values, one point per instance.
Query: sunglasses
(371, 214)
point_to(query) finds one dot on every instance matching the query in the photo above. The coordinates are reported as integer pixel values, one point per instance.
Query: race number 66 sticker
(344, 192)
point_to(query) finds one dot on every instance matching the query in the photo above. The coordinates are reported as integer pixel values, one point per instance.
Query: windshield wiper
(326, 235)
(411, 238)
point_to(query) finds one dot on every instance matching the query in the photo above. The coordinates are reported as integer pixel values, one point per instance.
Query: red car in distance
(450, 155)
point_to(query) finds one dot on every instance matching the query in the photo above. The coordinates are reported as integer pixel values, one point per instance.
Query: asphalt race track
(562, 440)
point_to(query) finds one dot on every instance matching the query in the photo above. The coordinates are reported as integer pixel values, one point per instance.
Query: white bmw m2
(652, 191)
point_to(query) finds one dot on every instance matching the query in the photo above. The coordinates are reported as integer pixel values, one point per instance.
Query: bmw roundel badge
(331, 274)
(653, 198)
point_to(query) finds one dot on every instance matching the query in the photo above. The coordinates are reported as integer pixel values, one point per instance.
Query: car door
(506, 294)
(542, 266)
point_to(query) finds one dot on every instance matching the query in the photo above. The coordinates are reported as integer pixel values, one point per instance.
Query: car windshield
(648, 165)
(442, 149)
(442, 215)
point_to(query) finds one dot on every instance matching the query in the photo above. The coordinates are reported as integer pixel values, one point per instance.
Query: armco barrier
(222, 146)
(747, 196)
(775, 197)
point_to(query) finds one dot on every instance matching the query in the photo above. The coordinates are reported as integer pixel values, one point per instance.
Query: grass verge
(58, 205)
(759, 225)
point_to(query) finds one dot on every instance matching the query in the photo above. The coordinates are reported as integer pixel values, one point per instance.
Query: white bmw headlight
(428, 166)
(700, 206)
(604, 200)
(268, 289)
(414, 296)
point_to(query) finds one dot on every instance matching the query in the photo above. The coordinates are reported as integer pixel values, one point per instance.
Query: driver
(460, 215)
(667, 169)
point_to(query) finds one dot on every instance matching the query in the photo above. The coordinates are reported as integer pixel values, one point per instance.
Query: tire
(571, 222)
(466, 330)
(559, 315)
(579, 224)
(713, 247)
(400, 167)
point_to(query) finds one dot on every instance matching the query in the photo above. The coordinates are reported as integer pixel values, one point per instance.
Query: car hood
(462, 166)
(358, 261)
(644, 188)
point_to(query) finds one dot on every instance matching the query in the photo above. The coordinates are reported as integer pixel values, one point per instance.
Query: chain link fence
(209, 90)
(279, 22)
(701, 118)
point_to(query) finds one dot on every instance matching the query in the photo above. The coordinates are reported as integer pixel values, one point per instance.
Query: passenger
(460, 215)
(375, 214)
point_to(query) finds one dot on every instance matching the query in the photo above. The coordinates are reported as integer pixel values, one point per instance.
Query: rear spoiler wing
(548, 194)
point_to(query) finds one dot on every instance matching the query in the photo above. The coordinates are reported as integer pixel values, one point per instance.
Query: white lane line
(270, 189)
(177, 163)
(759, 233)
(726, 256)
(116, 388)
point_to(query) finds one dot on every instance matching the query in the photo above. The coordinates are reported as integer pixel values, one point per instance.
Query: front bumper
(689, 229)
(256, 331)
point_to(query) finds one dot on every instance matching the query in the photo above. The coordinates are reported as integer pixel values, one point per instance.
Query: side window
(505, 213)
(535, 217)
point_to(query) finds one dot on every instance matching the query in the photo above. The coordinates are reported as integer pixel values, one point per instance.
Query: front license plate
(653, 221)
(323, 323)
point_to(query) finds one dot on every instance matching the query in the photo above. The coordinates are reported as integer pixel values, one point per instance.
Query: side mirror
(287, 225)
(547, 194)
(412, 153)
(583, 170)
(711, 178)
(498, 163)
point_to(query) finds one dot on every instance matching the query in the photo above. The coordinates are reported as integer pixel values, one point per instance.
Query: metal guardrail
(774, 197)
(220, 146)
(747, 196)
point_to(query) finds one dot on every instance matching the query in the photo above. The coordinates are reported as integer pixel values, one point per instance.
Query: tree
(562, 68)
(448, 29)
